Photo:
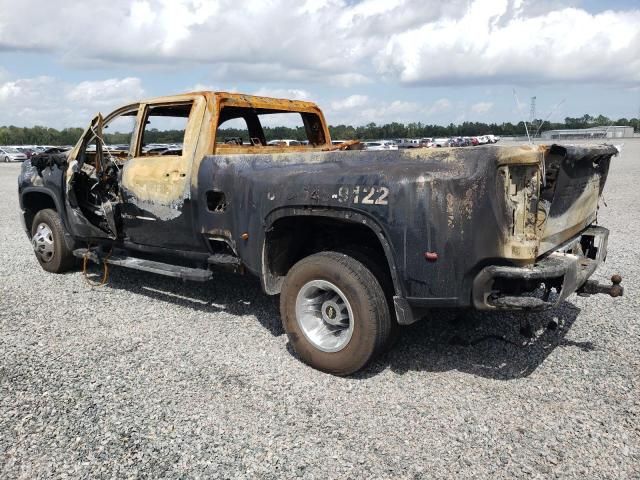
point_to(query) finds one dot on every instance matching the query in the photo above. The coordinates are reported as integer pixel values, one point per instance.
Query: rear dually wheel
(334, 312)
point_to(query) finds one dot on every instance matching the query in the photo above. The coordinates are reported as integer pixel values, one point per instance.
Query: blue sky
(362, 61)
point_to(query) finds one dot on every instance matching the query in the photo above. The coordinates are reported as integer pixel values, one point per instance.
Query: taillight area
(520, 188)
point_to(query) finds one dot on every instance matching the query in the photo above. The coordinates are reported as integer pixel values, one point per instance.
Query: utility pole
(532, 113)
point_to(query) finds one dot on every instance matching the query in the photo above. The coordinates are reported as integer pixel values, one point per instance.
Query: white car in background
(285, 143)
(379, 145)
(408, 142)
(390, 143)
(10, 154)
(441, 142)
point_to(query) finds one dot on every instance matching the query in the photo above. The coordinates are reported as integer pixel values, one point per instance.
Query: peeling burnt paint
(468, 220)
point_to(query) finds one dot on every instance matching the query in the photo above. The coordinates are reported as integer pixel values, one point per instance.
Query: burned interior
(95, 184)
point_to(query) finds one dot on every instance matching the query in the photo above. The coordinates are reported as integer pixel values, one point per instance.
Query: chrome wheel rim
(42, 242)
(324, 315)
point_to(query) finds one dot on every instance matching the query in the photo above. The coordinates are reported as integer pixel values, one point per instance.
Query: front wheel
(335, 312)
(6, 159)
(47, 238)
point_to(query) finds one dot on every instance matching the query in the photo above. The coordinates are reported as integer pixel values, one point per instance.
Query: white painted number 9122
(364, 195)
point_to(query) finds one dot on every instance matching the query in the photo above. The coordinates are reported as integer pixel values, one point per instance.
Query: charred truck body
(355, 242)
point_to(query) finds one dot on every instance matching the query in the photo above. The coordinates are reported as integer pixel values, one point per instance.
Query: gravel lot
(150, 377)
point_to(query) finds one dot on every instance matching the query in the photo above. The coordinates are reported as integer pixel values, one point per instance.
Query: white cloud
(203, 87)
(288, 93)
(439, 106)
(49, 101)
(294, 49)
(207, 87)
(338, 42)
(349, 103)
(489, 42)
(141, 14)
(107, 92)
(481, 107)
(361, 109)
(347, 80)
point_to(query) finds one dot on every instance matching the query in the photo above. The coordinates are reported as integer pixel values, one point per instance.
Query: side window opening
(118, 134)
(243, 126)
(164, 129)
(116, 140)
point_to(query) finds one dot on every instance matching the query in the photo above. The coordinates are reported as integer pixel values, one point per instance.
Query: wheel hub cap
(324, 315)
(42, 242)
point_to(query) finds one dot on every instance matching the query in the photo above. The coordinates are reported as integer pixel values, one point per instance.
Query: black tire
(62, 259)
(371, 319)
(6, 159)
(367, 256)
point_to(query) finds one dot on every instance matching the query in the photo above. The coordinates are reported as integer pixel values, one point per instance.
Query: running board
(167, 269)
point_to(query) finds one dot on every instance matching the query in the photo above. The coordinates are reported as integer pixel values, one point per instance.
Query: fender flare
(346, 215)
(45, 191)
(59, 208)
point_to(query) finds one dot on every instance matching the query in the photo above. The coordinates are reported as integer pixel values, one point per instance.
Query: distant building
(614, 131)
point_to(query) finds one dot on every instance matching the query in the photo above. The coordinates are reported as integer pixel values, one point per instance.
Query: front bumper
(546, 283)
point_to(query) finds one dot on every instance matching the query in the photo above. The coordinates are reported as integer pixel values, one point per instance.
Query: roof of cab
(242, 100)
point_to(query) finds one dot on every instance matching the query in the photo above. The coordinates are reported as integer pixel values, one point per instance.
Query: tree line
(39, 135)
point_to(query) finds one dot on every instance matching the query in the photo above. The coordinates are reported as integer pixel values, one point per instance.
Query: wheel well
(33, 202)
(292, 238)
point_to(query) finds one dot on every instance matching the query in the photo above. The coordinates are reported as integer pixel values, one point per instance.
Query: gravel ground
(150, 377)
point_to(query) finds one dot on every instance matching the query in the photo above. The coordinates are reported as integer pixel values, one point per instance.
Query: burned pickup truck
(355, 242)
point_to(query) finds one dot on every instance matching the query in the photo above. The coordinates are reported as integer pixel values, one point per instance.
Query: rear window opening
(259, 127)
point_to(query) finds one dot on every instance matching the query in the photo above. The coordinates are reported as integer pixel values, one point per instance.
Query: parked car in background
(119, 148)
(172, 151)
(474, 141)
(407, 142)
(492, 138)
(391, 144)
(156, 150)
(51, 150)
(441, 142)
(374, 146)
(29, 152)
(155, 147)
(285, 143)
(381, 145)
(10, 154)
(426, 142)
